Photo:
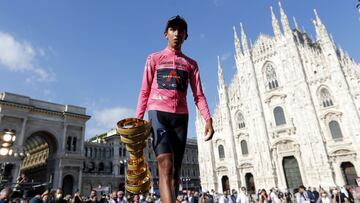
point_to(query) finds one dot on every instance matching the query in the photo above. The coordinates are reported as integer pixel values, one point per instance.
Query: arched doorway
(250, 184)
(39, 164)
(349, 173)
(225, 183)
(68, 184)
(292, 172)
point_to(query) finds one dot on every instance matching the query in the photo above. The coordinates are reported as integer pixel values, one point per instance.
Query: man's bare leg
(165, 166)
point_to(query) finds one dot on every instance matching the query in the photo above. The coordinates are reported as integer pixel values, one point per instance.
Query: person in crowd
(323, 197)
(282, 197)
(263, 197)
(136, 199)
(77, 197)
(316, 194)
(36, 199)
(5, 195)
(149, 199)
(195, 198)
(93, 197)
(120, 197)
(288, 196)
(242, 196)
(59, 198)
(304, 196)
(45, 196)
(338, 197)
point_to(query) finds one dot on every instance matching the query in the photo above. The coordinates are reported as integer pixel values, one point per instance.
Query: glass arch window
(335, 130)
(221, 152)
(279, 116)
(244, 148)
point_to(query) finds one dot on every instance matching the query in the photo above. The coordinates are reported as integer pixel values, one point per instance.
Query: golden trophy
(134, 133)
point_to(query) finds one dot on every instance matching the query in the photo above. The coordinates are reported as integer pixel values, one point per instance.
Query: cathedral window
(279, 116)
(325, 98)
(221, 152)
(335, 130)
(68, 144)
(271, 78)
(74, 143)
(240, 121)
(101, 167)
(244, 148)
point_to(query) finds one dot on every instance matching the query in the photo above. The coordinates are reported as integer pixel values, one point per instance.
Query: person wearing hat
(163, 92)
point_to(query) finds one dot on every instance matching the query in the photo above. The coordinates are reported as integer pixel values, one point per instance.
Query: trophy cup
(134, 134)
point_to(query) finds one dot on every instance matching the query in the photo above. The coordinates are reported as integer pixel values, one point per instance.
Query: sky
(91, 53)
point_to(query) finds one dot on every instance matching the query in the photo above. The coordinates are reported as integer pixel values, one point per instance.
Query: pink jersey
(165, 81)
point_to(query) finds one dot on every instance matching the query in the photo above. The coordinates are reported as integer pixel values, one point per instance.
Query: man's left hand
(209, 130)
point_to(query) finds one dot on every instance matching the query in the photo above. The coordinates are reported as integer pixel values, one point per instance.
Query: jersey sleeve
(198, 93)
(148, 76)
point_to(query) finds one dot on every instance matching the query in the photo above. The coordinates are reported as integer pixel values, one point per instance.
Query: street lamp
(186, 180)
(124, 162)
(7, 138)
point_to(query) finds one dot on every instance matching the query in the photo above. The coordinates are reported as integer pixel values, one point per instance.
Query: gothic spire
(244, 41)
(275, 24)
(284, 21)
(321, 32)
(220, 75)
(318, 21)
(237, 43)
(295, 23)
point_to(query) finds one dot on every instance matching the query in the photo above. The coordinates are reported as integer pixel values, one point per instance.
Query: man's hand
(209, 130)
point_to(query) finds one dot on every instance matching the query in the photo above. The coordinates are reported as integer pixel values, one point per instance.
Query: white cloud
(107, 118)
(22, 57)
(225, 56)
(104, 120)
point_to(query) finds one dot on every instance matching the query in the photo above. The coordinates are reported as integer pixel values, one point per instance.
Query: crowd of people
(274, 195)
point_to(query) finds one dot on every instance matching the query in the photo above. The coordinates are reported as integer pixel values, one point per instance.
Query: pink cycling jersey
(165, 81)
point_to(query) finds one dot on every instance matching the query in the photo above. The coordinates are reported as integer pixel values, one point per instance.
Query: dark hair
(177, 21)
(303, 187)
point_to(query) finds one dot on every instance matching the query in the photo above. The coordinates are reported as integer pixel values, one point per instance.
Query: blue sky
(92, 53)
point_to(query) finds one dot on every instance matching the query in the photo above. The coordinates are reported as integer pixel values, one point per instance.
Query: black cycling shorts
(169, 133)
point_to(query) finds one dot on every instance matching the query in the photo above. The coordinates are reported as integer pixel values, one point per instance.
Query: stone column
(82, 139)
(339, 181)
(20, 137)
(242, 178)
(64, 138)
(80, 179)
(60, 177)
(1, 115)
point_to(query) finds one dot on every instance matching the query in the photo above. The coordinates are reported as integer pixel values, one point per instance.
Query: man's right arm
(145, 87)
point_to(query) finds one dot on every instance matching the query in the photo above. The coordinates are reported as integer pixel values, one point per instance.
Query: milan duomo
(289, 117)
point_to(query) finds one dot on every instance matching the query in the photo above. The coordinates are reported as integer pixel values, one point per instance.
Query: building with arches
(49, 143)
(290, 115)
(50, 149)
(105, 164)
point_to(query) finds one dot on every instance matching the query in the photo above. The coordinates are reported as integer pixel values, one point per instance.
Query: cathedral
(289, 117)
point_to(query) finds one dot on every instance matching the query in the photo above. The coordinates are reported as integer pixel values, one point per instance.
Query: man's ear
(165, 34)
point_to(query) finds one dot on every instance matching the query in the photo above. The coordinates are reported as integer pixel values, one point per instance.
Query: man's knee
(165, 163)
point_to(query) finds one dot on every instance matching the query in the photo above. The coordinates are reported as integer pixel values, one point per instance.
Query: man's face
(175, 36)
(120, 194)
(93, 194)
(301, 190)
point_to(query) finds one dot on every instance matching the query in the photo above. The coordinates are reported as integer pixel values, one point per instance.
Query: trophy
(134, 134)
